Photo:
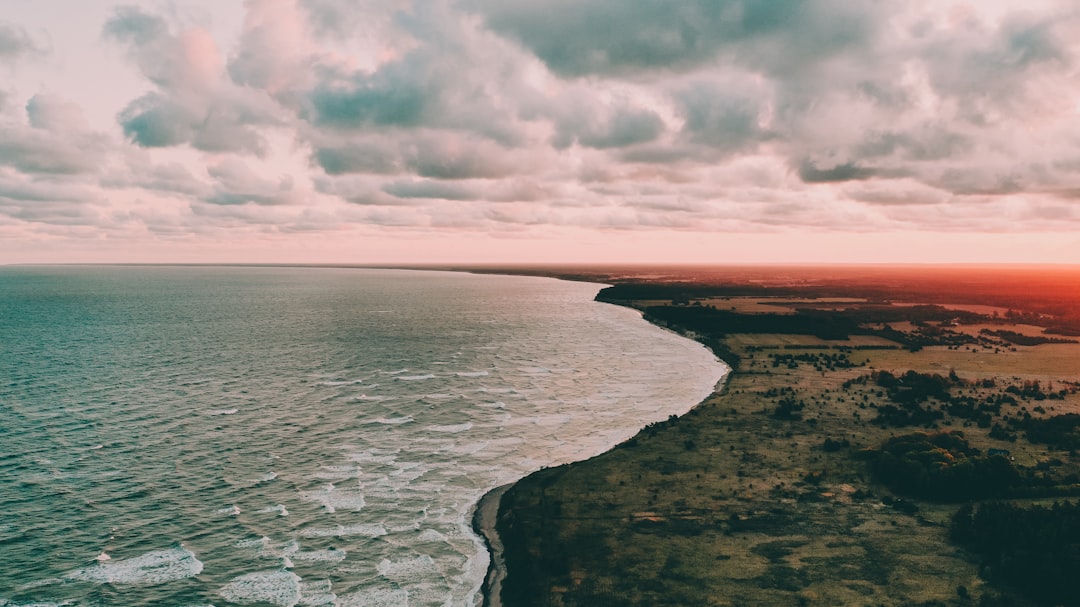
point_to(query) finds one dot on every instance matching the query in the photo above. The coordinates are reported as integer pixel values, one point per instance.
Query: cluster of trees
(1025, 340)
(819, 360)
(1059, 431)
(1035, 549)
(909, 391)
(942, 467)
(717, 323)
(1033, 389)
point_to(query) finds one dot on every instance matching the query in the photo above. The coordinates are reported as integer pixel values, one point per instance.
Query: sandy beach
(483, 521)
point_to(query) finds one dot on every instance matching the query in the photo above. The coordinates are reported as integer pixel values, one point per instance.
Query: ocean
(183, 436)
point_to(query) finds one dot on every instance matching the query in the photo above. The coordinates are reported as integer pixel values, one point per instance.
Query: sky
(505, 131)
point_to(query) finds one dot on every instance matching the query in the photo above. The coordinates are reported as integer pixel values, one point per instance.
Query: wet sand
(483, 521)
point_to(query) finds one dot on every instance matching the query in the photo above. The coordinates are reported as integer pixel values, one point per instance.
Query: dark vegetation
(1034, 549)
(1025, 340)
(532, 549)
(942, 467)
(1048, 296)
(824, 324)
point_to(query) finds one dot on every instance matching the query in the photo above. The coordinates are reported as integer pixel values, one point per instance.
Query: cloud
(16, 43)
(505, 116)
(430, 189)
(194, 102)
(612, 38)
(52, 113)
(55, 141)
(722, 114)
(237, 184)
(425, 154)
(161, 179)
(394, 96)
(847, 171)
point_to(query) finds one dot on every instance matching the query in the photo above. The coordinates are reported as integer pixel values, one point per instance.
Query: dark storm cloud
(394, 96)
(611, 37)
(720, 115)
(847, 171)
(626, 126)
(154, 121)
(434, 155)
(358, 157)
(429, 189)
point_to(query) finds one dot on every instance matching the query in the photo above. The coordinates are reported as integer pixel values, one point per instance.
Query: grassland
(747, 500)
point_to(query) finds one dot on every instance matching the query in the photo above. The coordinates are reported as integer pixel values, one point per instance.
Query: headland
(888, 436)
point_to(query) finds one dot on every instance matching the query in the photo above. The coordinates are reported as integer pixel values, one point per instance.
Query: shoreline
(484, 517)
(488, 509)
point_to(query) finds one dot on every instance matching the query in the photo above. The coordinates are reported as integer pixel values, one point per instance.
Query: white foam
(452, 429)
(231, 510)
(472, 373)
(412, 570)
(101, 558)
(150, 568)
(416, 377)
(370, 457)
(394, 421)
(221, 412)
(345, 382)
(317, 594)
(266, 478)
(371, 398)
(333, 498)
(469, 448)
(279, 587)
(440, 396)
(430, 535)
(407, 474)
(378, 597)
(259, 544)
(279, 508)
(331, 555)
(4, 603)
(368, 530)
(338, 473)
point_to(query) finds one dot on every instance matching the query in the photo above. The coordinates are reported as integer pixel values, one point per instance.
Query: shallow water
(296, 436)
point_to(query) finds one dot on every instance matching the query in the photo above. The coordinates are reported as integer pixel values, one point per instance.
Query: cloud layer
(503, 116)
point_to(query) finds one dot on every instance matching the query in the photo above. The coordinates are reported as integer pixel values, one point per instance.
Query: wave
(451, 429)
(281, 588)
(151, 568)
(334, 499)
(279, 508)
(366, 530)
(393, 421)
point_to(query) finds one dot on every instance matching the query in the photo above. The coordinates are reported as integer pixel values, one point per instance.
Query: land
(888, 436)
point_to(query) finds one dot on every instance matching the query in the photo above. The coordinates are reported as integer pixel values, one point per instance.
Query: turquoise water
(296, 436)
